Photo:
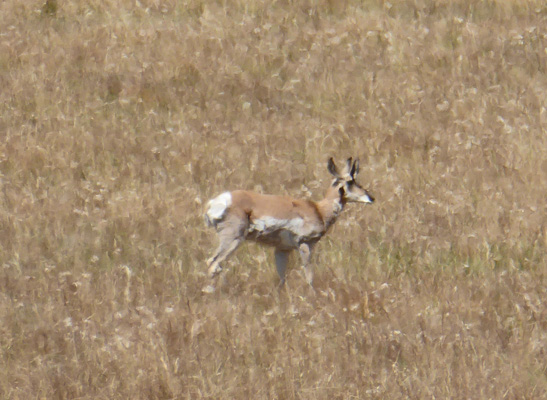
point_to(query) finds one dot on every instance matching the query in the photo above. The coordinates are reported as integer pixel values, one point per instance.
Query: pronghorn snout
(367, 198)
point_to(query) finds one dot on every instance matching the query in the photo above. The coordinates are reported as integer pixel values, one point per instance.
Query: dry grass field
(120, 119)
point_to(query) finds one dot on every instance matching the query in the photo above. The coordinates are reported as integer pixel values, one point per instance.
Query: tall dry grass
(120, 118)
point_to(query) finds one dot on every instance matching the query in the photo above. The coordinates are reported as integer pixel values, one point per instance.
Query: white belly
(283, 233)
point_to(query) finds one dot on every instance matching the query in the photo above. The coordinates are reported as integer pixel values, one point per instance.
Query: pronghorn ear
(332, 168)
(348, 165)
(354, 169)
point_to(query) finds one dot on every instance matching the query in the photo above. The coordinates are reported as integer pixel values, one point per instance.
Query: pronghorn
(279, 221)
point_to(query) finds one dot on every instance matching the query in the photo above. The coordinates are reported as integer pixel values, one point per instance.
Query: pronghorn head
(345, 183)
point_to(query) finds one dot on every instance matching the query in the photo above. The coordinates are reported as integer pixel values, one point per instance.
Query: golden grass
(119, 119)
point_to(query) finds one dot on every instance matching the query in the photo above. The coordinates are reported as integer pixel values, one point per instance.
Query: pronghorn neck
(331, 206)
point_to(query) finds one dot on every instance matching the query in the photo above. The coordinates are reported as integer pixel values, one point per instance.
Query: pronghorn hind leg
(230, 235)
(223, 252)
(281, 259)
(305, 253)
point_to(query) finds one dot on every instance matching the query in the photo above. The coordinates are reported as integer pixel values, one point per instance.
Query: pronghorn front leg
(281, 258)
(305, 253)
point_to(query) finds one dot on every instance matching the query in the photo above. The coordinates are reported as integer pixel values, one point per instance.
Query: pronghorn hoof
(208, 289)
(214, 271)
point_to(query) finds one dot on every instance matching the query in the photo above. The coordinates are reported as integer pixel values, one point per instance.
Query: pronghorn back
(257, 205)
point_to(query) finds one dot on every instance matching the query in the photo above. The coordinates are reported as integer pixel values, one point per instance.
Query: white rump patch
(216, 208)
